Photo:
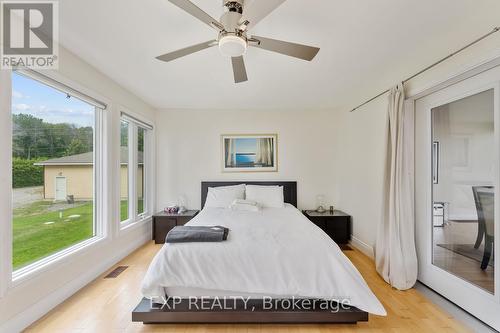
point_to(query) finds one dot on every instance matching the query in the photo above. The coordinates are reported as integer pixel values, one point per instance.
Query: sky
(31, 97)
(245, 145)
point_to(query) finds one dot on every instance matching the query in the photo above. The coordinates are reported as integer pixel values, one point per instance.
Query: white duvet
(276, 251)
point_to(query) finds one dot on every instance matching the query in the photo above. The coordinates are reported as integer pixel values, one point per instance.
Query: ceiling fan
(233, 39)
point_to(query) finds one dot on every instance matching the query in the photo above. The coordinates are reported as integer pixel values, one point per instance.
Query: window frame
(134, 122)
(6, 170)
(145, 173)
(129, 135)
(60, 83)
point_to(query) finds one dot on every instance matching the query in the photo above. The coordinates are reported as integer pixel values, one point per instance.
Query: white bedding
(276, 251)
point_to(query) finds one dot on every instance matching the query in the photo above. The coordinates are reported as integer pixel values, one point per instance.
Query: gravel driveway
(26, 195)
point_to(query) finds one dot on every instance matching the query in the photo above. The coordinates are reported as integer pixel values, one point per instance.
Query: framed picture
(249, 152)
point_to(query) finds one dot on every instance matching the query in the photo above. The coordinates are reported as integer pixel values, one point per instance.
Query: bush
(25, 174)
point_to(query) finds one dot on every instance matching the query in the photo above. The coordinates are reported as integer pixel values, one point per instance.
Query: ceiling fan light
(232, 46)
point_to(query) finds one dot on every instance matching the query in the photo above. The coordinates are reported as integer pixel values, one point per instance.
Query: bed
(272, 260)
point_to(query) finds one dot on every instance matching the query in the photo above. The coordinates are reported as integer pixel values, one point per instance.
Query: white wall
(27, 301)
(189, 151)
(361, 168)
(361, 158)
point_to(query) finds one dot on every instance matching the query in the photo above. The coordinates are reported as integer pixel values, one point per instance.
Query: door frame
(474, 299)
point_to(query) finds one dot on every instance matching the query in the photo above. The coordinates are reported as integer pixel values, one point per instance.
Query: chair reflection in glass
(484, 198)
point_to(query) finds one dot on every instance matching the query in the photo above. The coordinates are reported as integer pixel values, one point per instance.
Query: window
(54, 169)
(124, 170)
(134, 176)
(140, 170)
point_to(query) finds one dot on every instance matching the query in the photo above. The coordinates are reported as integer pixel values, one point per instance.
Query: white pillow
(266, 196)
(223, 196)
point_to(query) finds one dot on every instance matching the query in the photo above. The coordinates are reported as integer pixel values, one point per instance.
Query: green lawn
(34, 239)
(124, 208)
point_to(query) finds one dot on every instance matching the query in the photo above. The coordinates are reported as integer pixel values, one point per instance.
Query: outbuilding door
(60, 188)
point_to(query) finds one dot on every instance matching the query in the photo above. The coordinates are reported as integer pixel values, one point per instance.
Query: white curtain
(395, 253)
(265, 151)
(230, 153)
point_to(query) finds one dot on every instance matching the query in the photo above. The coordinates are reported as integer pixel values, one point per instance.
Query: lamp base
(320, 209)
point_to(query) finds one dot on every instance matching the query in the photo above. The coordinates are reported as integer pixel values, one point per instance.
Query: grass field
(124, 209)
(38, 229)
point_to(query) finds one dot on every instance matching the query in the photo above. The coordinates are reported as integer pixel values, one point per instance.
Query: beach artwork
(253, 153)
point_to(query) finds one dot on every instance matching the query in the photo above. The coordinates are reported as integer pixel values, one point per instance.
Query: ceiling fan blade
(257, 10)
(240, 73)
(194, 10)
(290, 49)
(186, 51)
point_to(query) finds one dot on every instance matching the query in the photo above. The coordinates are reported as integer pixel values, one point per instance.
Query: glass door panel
(463, 165)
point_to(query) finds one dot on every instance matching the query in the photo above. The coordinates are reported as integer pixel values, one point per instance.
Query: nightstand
(336, 225)
(164, 222)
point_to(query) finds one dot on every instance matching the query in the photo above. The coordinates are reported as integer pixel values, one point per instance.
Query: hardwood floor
(459, 265)
(105, 306)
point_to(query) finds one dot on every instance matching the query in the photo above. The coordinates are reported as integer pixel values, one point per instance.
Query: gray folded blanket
(186, 234)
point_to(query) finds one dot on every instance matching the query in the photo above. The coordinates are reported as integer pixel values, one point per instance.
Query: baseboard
(39, 309)
(362, 246)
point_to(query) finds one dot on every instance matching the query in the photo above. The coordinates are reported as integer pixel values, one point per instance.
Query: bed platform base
(250, 312)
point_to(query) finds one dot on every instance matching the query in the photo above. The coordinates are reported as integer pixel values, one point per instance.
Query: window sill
(28, 272)
(132, 224)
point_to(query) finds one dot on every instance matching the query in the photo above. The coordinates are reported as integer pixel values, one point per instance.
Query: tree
(140, 139)
(123, 134)
(25, 173)
(26, 130)
(33, 138)
(76, 147)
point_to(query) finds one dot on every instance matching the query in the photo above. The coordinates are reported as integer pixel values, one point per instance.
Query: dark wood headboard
(289, 189)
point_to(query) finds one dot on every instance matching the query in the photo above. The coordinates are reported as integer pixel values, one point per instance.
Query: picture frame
(249, 152)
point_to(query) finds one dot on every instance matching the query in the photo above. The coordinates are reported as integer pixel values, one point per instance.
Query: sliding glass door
(457, 175)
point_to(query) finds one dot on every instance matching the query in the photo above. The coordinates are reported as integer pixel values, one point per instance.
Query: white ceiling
(366, 46)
